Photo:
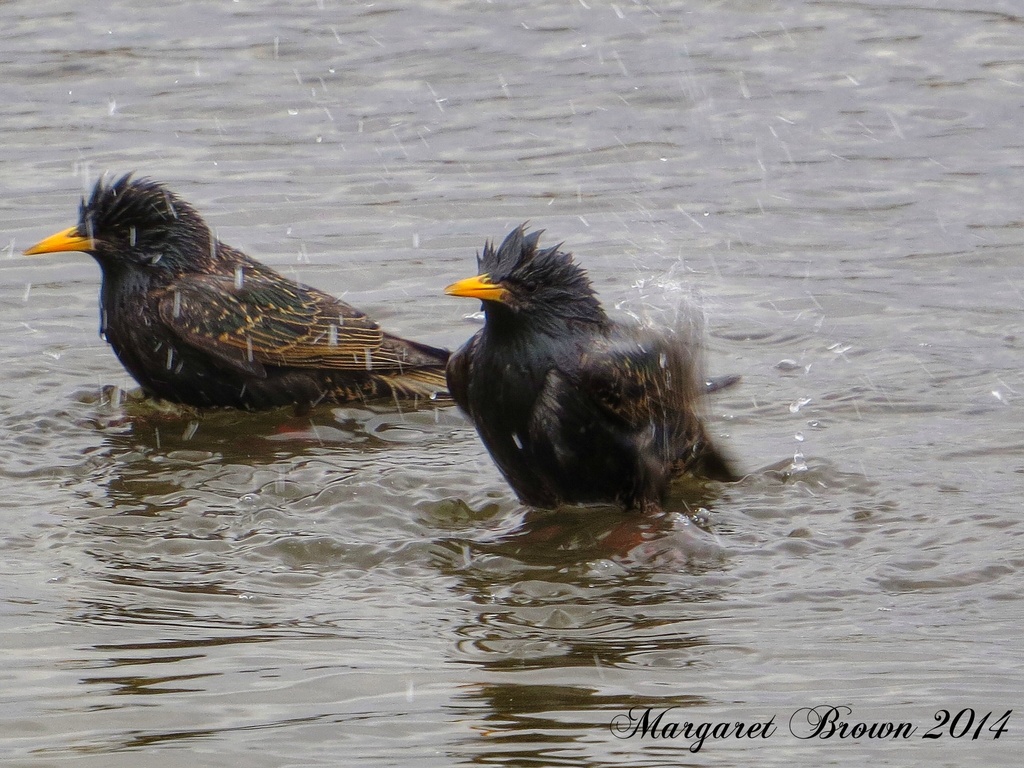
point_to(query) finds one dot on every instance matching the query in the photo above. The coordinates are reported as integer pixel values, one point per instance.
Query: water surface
(835, 187)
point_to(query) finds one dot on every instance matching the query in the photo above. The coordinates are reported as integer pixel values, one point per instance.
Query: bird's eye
(529, 286)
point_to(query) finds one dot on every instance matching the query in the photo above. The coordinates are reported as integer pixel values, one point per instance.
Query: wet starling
(575, 407)
(198, 322)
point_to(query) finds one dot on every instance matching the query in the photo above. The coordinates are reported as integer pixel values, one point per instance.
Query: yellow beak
(68, 240)
(479, 287)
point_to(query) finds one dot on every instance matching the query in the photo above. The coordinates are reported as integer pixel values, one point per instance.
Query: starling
(573, 406)
(198, 322)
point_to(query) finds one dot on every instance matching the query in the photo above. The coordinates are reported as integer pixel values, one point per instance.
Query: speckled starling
(198, 322)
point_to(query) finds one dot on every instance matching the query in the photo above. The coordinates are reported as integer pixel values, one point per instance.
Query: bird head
(135, 224)
(518, 278)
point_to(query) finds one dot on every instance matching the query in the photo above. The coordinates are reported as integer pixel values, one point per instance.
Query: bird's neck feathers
(558, 318)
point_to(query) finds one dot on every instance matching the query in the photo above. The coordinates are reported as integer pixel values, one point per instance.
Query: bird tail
(419, 383)
(425, 355)
(708, 462)
(718, 383)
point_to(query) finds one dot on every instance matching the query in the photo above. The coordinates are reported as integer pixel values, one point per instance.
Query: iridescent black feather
(572, 406)
(198, 322)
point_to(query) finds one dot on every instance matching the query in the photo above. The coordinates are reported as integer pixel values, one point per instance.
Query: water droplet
(787, 365)
(516, 439)
(799, 437)
(332, 335)
(794, 407)
(239, 278)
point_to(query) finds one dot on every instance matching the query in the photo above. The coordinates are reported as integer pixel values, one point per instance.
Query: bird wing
(558, 404)
(651, 382)
(256, 321)
(457, 373)
(628, 380)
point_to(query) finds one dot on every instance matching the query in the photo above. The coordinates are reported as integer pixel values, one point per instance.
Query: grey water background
(835, 187)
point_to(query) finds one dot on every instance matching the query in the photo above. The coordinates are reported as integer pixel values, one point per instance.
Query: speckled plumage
(198, 322)
(572, 406)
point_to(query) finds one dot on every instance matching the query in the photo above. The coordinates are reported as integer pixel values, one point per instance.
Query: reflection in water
(199, 541)
(591, 589)
(540, 725)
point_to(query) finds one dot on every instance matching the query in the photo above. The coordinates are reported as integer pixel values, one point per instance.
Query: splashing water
(799, 464)
(665, 302)
(239, 278)
(796, 406)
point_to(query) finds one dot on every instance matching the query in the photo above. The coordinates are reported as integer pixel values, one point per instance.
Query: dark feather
(572, 406)
(198, 322)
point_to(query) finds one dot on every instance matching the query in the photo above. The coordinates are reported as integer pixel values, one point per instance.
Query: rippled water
(836, 186)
